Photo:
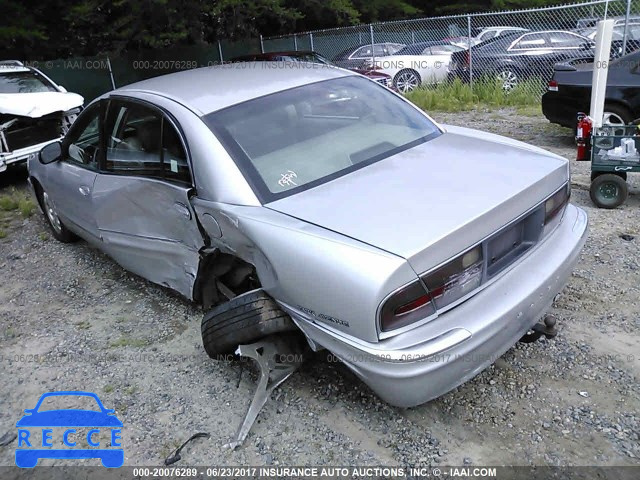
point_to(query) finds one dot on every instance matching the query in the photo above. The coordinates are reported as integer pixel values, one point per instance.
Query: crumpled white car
(34, 111)
(424, 63)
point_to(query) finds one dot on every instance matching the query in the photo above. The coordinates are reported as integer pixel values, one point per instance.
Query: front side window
(83, 141)
(141, 141)
(303, 137)
(24, 82)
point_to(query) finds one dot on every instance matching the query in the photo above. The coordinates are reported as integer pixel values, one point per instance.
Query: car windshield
(24, 82)
(69, 402)
(303, 137)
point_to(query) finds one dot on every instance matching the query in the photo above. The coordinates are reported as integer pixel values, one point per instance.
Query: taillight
(456, 279)
(467, 59)
(556, 203)
(445, 286)
(553, 86)
(406, 306)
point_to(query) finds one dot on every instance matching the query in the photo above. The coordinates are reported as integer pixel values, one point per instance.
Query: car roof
(208, 89)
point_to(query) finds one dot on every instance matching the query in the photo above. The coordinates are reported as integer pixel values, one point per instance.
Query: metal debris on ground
(278, 359)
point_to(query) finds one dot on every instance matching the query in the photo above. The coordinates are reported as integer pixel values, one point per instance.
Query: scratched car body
(71, 418)
(318, 200)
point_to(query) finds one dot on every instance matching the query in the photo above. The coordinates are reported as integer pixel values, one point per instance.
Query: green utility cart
(615, 152)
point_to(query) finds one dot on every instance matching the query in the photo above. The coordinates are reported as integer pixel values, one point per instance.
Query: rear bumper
(22, 155)
(461, 343)
(560, 110)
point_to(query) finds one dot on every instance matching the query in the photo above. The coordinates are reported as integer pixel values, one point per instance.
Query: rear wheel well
(222, 276)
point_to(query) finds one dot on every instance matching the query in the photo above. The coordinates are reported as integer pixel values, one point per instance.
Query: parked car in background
(593, 21)
(515, 56)
(34, 111)
(570, 92)
(424, 63)
(484, 34)
(357, 56)
(314, 200)
(312, 57)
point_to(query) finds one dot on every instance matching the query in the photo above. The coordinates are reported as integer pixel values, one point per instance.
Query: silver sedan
(311, 198)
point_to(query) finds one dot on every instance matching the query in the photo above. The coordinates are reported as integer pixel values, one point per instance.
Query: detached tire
(608, 191)
(244, 319)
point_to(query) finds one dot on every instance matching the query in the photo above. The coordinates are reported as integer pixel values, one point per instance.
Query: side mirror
(50, 153)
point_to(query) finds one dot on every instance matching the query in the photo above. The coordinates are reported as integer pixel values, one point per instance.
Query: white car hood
(38, 104)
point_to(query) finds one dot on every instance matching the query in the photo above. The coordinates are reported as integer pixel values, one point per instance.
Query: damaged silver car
(317, 200)
(34, 112)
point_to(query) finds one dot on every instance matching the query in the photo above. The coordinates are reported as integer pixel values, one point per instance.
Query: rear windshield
(303, 137)
(24, 82)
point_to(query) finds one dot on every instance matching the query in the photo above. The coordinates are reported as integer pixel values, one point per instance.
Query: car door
(141, 196)
(70, 181)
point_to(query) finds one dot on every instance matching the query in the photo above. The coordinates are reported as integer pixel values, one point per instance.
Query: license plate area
(510, 244)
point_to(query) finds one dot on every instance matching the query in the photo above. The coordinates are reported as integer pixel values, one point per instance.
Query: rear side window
(141, 141)
(532, 40)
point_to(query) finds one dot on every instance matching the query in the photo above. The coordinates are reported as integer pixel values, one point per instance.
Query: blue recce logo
(34, 432)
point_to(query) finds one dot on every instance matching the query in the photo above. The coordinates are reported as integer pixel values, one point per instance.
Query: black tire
(612, 110)
(244, 319)
(608, 191)
(58, 229)
(622, 175)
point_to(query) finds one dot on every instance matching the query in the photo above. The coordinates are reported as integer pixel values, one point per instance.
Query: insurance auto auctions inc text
(375, 472)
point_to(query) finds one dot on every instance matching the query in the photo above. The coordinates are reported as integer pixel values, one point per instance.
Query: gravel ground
(71, 319)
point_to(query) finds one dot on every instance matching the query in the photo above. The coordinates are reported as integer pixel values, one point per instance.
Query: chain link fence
(510, 48)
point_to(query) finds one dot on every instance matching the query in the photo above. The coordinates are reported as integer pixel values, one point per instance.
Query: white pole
(601, 70)
(626, 28)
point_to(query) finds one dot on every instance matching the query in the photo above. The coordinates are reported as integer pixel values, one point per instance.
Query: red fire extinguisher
(583, 137)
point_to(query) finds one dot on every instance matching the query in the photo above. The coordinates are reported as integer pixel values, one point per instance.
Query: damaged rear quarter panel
(310, 268)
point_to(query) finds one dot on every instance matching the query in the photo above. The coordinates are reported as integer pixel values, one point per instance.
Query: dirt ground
(71, 319)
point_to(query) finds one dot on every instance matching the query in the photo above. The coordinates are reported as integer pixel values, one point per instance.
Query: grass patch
(457, 96)
(20, 201)
(3, 234)
(129, 342)
(43, 236)
(108, 388)
(131, 389)
(84, 325)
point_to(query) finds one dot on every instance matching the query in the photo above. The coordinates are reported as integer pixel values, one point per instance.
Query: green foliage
(68, 28)
(458, 96)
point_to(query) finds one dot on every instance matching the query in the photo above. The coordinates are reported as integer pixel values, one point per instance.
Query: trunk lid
(433, 201)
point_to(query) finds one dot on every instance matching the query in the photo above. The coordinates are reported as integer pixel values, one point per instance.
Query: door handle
(84, 190)
(182, 209)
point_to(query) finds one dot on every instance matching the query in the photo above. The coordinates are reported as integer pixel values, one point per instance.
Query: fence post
(373, 55)
(261, 44)
(295, 42)
(413, 37)
(311, 42)
(220, 53)
(606, 9)
(470, 52)
(626, 28)
(113, 82)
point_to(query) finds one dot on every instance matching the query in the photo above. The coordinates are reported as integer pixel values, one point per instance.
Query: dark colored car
(359, 55)
(514, 57)
(570, 92)
(312, 57)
